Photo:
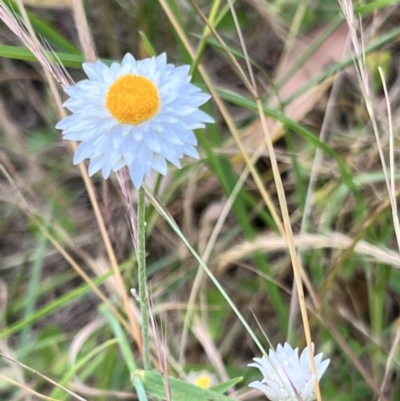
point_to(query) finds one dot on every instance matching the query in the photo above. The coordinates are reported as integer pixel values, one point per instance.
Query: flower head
(136, 114)
(202, 379)
(286, 376)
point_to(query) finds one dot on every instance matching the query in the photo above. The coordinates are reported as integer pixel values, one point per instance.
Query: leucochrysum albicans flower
(202, 379)
(136, 114)
(286, 376)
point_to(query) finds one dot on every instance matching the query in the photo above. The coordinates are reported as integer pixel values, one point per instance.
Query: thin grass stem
(206, 33)
(141, 229)
(235, 133)
(290, 243)
(33, 288)
(167, 217)
(210, 246)
(85, 36)
(392, 182)
(43, 376)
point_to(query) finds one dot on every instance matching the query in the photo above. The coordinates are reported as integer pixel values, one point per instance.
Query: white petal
(95, 165)
(111, 158)
(144, 156)
(199, 116)
(152, 142)
(322, 368)
(193, 126)
(65, 122)
(119, 165)
(161, 60)
(84, 151)
(199, 99)
(137, 133)
(189, 137)
(261, 387)
(173, 158)
(117, 136)
(92, 71)
(159, 164)
(172, 137)
(190, 151)
(181, 72)
(137, 174)
(128, 59)
(130, 149)
(114, 70)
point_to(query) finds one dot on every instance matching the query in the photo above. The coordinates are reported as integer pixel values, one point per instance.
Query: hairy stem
(141, 226)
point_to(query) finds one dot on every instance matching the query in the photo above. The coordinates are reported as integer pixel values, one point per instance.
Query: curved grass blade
(225, 386)
(126, 351)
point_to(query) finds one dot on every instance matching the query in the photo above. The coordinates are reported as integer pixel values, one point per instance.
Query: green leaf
(147, 44)
(21, 53)
(155, 385)
(225, 386)
(373, 7)
(218, 312)
(121, 337)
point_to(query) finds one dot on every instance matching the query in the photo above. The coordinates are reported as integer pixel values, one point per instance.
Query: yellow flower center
(132, 99)
(203, 381)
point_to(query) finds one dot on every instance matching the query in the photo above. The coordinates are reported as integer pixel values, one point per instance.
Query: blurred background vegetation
(52, 321)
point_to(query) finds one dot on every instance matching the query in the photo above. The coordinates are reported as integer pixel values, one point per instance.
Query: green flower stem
(141, 225)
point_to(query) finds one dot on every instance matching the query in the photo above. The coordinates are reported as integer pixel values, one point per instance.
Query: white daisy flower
(136, 114)
(286, 376)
